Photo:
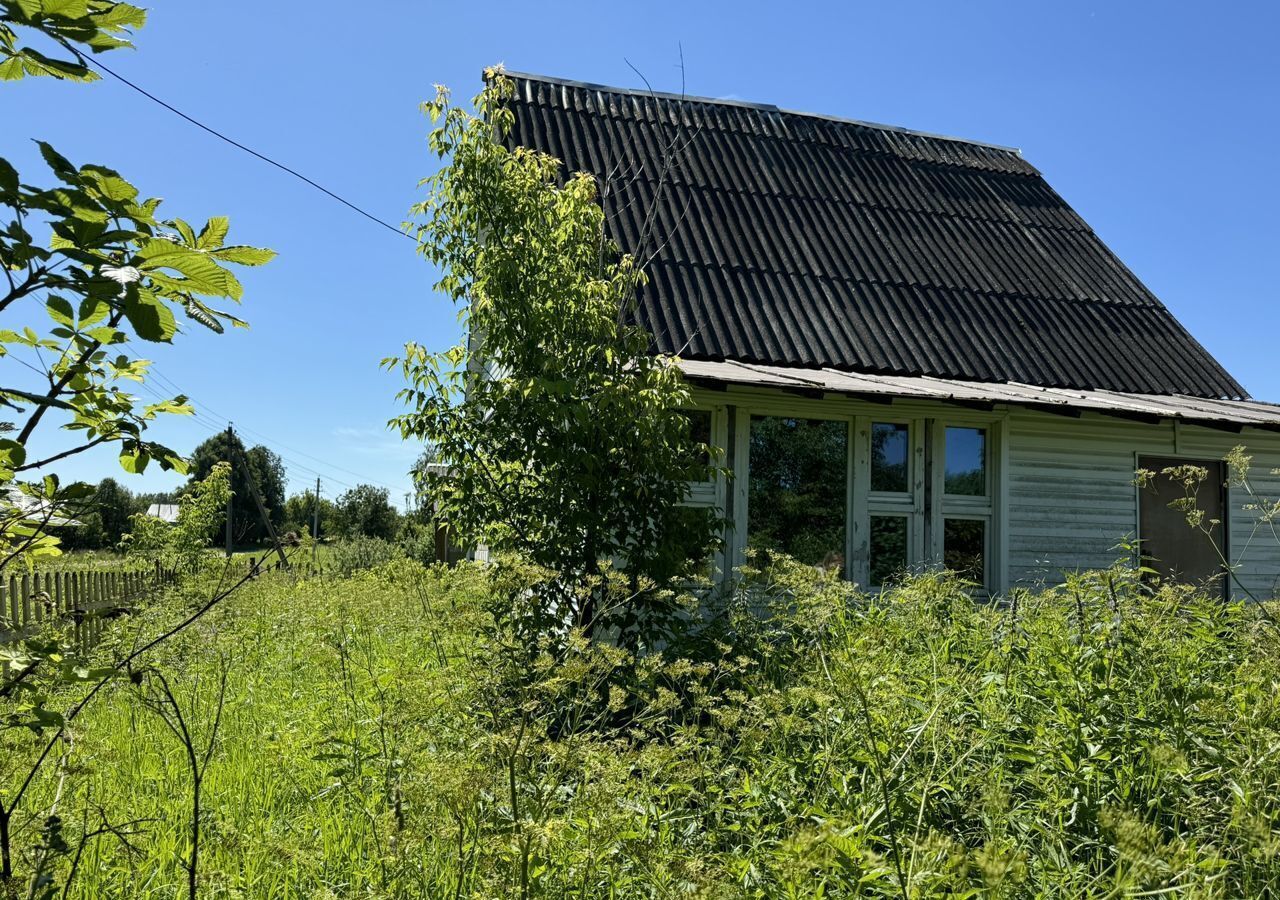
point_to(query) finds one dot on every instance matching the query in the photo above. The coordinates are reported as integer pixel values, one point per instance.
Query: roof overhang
(1230, 414)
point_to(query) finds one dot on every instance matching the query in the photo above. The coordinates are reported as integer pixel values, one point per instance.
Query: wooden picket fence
(33, 600)
(258, 567)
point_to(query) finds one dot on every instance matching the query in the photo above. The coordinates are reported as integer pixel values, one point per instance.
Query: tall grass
(381, 739)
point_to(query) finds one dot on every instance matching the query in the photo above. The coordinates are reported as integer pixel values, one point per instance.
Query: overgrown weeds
(381, 737)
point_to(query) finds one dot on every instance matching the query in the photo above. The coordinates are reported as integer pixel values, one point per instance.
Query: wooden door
(1173, 547)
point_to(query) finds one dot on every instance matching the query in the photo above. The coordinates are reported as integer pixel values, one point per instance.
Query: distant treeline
(365, 510)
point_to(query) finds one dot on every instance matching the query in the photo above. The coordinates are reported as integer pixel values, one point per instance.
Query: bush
(356, 554)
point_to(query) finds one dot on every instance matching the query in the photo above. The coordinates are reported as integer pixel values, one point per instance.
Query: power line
(266, 159)
(215, 428)
(277, 444)
(296, 174)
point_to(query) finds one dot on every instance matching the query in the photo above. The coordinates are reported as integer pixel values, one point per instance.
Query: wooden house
(911, 349)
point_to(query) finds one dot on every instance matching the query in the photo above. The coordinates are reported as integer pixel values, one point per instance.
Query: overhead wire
(275, 444)
(102, 67)
(214, 428)
(97, 64)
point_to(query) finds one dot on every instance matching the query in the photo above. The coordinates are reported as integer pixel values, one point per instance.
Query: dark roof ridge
(765, 107)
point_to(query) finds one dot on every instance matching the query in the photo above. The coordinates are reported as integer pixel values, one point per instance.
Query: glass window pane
(966, 464)
(796, 488)
(699, 431)
(890, 449)
(688, 545)
(964, 545)
(888, 548)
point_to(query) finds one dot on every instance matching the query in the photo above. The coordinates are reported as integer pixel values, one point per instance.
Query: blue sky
(1150, 118)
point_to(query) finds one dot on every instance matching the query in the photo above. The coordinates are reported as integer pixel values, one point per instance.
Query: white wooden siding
(1065, 485)
(1072, 499)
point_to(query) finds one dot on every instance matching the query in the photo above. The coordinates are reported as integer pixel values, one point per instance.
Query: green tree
(267, 471)
(366, 511)
(182, 543)
(299, 511)
(102, 519)
(110, 273)
(570, 448)
(114, 505)
(90, 271)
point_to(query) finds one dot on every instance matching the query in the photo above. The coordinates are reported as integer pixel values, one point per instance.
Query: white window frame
(742, 471)
(909, 504)
(986, 508)
(927, 424)
(712, 493)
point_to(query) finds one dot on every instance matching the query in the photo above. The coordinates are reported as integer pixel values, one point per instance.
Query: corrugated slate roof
(793, 239)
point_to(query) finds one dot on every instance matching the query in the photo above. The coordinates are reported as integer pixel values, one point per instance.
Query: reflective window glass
(966, 462)
(699, 431)
(964, 546)
(797, 489)
(890, 450)
(888, 548)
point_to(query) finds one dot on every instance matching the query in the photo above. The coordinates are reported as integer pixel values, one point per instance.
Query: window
(706, 498)
(890, 551)
(797, 489)
(965, 509)
(890, 457)
(699, 431)
(896, 496)
(966, 462)
(892, 505)
(1172, 548)
(964, 548)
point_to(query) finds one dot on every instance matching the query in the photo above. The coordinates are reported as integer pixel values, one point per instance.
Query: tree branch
(64, 454)
(62, 382)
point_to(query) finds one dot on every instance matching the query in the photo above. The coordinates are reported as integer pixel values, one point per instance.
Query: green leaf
(11, 69)
(36, 63)
(213, 233)
(120, 15)
(188, 234)
(59, 163)
(66, 9)
(150, 317)
(110, 183)
(201, 273)
(93, 310)
(61, 312)
(12, 454)
(135, 463)
(9, 180)
(244, 256)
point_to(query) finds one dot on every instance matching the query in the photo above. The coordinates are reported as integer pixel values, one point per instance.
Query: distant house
(17, 506)
(910, 348)
(165, 512)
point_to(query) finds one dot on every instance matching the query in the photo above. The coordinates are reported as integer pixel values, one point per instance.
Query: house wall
(1064, 490)
(1072, 499)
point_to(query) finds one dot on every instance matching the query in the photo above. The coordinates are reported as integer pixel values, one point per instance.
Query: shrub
(356, 554)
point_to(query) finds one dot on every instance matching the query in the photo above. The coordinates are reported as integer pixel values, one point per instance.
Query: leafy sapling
(559, 436)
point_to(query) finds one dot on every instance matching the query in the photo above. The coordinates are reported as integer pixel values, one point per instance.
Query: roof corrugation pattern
(799, 240)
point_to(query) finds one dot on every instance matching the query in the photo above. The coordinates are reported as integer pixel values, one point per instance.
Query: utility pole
(315, 525)
(230, 494)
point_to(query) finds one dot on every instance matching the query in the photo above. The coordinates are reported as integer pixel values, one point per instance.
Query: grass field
(380, 738)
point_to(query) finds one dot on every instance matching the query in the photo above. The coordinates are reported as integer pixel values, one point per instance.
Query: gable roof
(793, 239)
